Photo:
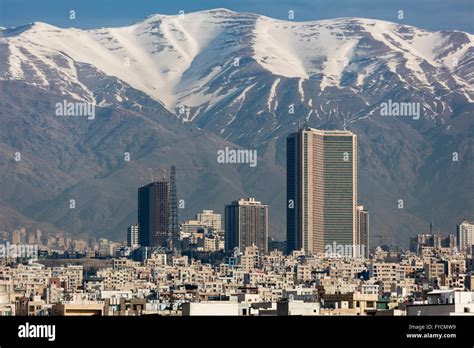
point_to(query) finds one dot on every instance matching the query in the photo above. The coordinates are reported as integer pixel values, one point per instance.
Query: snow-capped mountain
(176, 59)
(243, 80)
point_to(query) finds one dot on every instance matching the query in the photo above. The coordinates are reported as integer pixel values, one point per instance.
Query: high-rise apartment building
(246, 224)
(321, 189)
(132, 236)
(16, 237)
(465, 235)
(362, 244)
(154, 214)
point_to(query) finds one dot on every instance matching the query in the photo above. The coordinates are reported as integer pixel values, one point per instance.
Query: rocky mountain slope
(176, 89)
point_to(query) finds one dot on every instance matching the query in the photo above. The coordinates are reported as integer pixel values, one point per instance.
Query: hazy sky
(429, 14)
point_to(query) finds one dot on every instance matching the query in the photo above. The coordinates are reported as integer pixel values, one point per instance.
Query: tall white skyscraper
(321, 190)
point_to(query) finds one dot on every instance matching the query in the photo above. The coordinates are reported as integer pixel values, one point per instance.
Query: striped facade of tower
(321, 189)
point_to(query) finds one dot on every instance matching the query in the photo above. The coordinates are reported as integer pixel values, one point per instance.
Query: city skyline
(249, 106)
(305, 159)
(339, 156)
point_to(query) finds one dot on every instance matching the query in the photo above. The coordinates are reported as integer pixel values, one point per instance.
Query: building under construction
(158, 214)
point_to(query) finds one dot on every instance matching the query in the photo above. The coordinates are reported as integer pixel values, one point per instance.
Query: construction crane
(168, 174)
(173, 236)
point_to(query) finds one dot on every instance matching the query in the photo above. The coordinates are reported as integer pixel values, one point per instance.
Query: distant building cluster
(204, 234)
(435, 281)
(58, 245)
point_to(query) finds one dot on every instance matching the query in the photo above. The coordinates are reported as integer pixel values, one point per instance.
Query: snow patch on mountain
(273, 94)
(301, 89)
(190, 61)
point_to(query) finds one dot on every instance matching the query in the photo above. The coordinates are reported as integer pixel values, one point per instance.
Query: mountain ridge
(238, 80)
(117, 39)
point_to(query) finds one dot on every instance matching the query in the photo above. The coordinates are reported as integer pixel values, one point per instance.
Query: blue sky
(429, 14)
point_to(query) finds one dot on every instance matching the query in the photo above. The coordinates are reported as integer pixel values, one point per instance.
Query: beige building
(350, 304)
(210, 219)
(251, 258)
(434, 269)
(85, 308)
(387, 274)
(465, 236)
(321, 189)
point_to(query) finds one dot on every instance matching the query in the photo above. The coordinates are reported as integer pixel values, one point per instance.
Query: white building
(223, 308)
(132, 236)
(465, 234)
